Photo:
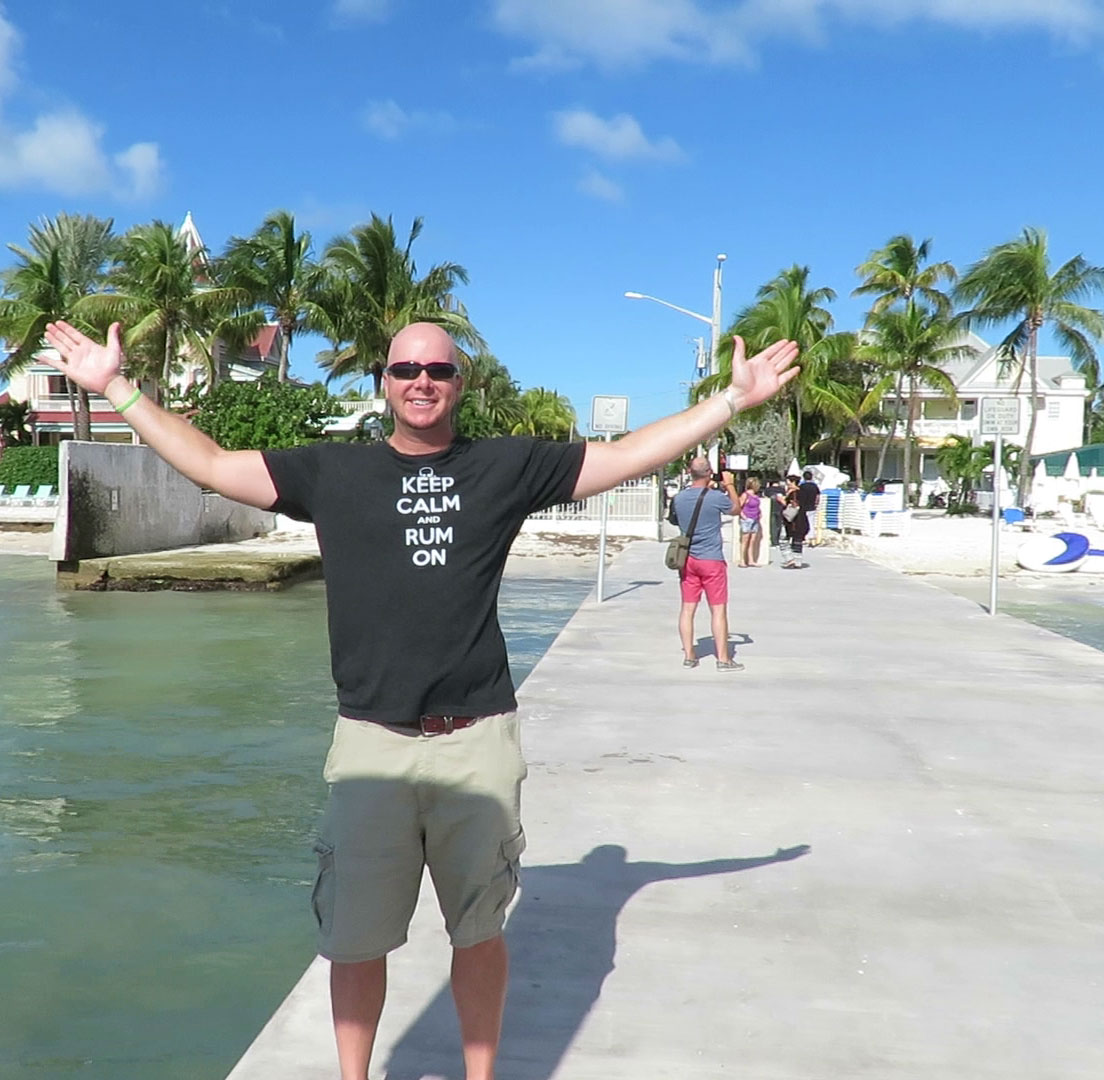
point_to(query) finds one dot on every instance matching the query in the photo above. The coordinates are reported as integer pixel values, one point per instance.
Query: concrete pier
(873, 853)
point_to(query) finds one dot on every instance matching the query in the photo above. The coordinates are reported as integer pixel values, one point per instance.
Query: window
(55, 385)
(967, 409)
(939, 409)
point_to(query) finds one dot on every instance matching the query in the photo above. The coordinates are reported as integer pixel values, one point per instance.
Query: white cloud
(9, 46)
(631, 33)
(370, 10)
(141, 163)
(602, 187)
(62, 151)
(617, 139)
(389, 120)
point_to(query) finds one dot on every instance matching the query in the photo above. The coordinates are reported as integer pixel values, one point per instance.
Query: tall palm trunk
(84, 416)
(285, 352)
(892, 432)
(166, 367)
(1023, 483)
(79, 408)
(909, 421)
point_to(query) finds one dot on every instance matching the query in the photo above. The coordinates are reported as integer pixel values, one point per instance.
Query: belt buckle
(448, 728)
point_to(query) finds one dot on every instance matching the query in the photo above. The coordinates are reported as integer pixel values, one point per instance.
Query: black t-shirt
(413, 548)
(807, 495)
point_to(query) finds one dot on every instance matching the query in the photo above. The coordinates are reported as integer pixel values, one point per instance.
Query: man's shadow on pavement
(562, 939)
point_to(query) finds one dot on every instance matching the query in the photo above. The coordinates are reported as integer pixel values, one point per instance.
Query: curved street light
(713, 320)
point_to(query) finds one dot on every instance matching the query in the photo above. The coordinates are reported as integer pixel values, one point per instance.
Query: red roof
(264, 339)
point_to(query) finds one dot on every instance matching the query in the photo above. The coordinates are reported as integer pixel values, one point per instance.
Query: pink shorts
(704, 575)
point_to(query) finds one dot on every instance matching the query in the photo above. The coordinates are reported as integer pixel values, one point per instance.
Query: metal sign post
(610, 416)
(999, 417)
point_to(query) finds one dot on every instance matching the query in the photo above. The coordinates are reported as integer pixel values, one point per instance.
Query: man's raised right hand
(88, 363)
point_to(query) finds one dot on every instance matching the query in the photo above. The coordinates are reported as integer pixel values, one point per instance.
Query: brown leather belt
(445, 725)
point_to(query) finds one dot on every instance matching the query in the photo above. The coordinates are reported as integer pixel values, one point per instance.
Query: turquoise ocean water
(160, 760)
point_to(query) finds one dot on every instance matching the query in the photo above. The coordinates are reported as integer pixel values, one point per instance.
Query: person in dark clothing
(796, 525)
(808, 496)
(774, 489)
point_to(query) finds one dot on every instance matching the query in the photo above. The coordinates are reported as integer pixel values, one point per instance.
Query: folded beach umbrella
(1073, 468)
(1040, 472)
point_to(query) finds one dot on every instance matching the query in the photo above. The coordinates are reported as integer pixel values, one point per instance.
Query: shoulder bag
(678, 550)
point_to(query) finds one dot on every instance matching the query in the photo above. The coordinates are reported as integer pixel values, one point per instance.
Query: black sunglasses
(438, 371)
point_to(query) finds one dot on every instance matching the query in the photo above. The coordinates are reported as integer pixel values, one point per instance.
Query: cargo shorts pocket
(325, 886)
(512, 850)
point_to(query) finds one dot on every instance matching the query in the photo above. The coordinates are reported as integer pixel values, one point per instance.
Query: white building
(1058, 397)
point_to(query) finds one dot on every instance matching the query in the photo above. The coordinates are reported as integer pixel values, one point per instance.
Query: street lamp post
(714, 322)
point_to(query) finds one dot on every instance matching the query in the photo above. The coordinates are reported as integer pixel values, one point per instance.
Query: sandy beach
(956, 547)
(936, 545)
(532, 555)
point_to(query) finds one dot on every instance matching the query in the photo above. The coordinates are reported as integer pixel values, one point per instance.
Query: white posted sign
(609, 415)
(1000, 416)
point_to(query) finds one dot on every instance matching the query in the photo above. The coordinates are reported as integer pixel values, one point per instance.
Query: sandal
(690, 663)
(729, 665)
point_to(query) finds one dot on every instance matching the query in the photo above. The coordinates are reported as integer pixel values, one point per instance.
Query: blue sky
(565, 151)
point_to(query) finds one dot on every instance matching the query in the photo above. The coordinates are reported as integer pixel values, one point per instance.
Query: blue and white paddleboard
(1060, 553)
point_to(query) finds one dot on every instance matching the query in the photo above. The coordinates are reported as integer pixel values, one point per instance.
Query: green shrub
(262, 415)
(34, 465)
(963, 509)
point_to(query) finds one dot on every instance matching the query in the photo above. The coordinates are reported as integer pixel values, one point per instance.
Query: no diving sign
(609, 415)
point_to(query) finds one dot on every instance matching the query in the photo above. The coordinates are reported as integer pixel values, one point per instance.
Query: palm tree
(274, 269)
(63, 262)
(496, 393)
(168, 313)
(914, 343)
(850, 392)
(1013, 282)
(545, 414)
(895, 275)
(372, 290)
(961, 463)
(785, 307)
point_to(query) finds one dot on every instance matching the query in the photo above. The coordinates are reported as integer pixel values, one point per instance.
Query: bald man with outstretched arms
(425, 691)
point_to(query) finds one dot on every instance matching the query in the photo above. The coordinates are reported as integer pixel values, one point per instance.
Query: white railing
(359, 408)
(633, 509)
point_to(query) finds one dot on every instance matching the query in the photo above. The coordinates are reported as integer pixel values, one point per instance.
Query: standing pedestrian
(751, 526)
(706, 570)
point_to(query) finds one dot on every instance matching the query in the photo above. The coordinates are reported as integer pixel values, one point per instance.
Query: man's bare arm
(237, 474)
(753, 381)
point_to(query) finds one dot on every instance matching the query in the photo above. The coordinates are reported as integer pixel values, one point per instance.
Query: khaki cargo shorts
(402, 801)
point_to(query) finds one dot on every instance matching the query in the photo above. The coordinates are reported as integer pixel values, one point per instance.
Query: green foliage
(472, 422)
(262, 415)
(963, 509)
(34, 465)
(765, 438)
(14, 428)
